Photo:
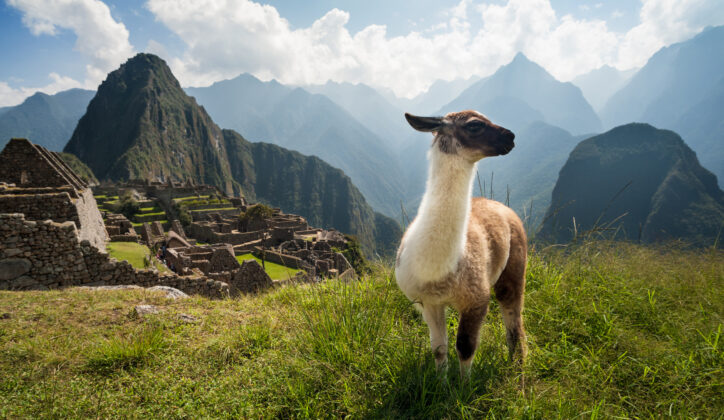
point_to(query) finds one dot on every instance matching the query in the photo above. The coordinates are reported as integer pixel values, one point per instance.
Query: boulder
(11, 268)
(171, 293)
(250, 278)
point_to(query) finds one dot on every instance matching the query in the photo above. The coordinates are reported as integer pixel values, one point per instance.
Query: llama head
(468, 134)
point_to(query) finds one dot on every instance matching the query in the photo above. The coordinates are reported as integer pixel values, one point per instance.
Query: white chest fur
(435, 241)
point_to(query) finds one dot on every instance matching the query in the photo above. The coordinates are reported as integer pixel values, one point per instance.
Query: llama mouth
(504, 150)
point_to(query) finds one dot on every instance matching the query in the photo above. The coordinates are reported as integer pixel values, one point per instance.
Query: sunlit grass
(275, 271)
(614, 331)
(136, 254)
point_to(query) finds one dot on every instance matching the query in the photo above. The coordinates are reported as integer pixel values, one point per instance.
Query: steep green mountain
(141, 124)
(598, 85)
(311, 124)
(80, 168)
(673, 89)
(47, 120)
(520, 92)
(644, 181)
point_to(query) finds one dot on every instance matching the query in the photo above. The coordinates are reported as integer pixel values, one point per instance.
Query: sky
(403, 45)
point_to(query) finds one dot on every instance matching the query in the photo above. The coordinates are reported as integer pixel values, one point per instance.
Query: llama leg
(509, 291)
(469, 337)
(434, 316)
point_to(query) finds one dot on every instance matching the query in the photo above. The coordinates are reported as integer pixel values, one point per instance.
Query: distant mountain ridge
(48, 120)
(369, 107)
(520, 96)
(642, 180)
(141, 124)
(522, 90)
(311, 124)
(600, 84)
(680, 88)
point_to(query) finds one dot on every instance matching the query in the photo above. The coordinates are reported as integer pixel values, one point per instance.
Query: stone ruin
(52, 234)
(285, 239)
(40, 185)
(119, 228)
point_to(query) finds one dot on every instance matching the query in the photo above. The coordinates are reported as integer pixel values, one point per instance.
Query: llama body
(457, 248)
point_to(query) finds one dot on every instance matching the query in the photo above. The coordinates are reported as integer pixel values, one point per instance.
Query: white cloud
(664, 22)
(102, 40)
(10, 96)
(227, 37)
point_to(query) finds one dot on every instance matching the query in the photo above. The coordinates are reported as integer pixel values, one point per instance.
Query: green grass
(134, 253)
(158, 213)
(275, 271)
(193, 197)
(617, 331)
(218, 209)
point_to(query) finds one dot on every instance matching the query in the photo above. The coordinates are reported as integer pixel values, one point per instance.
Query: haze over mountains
(312, 124)
(48, 118)
(522, 92)
(679, 89)
(523, 97)
(598, 85)
(362, 130)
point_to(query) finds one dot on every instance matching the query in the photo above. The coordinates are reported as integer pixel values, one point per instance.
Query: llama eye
(474, 126)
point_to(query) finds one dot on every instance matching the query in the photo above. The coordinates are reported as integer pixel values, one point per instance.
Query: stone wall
(91, 228)
(40, 255)
(60, 207)
(205, 232)
(54, 206)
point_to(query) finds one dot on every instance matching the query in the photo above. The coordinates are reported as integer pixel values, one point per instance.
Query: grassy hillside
(614, 331)
(80, 168)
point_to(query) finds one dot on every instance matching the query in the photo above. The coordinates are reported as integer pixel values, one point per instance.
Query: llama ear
(426, 124)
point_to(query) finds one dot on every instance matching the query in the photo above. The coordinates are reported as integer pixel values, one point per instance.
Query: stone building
(40, 185)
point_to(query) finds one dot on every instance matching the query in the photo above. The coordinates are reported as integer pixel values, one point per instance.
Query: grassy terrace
(217, 209)
(613, 332)
(192, 197)
(275, 271)
(134, 253)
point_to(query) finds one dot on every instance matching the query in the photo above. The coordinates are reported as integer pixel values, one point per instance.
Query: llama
(457, 248)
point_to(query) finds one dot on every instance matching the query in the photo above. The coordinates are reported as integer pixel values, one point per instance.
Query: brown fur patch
(469, 331)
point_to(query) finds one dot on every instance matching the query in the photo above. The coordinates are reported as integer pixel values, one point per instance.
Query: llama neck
(441, 222)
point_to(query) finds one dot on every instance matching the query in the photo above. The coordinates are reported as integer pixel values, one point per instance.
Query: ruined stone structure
(39, 184)
(52, 234)
(41, 255)
(320, 254)
(119, 228)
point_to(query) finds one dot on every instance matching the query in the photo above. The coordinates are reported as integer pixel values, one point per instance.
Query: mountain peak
(520, 58)
(522, 63)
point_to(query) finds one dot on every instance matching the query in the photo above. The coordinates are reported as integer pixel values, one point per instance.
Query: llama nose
(508, 135)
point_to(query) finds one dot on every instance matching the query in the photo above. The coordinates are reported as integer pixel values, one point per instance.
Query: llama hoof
(465, 368)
